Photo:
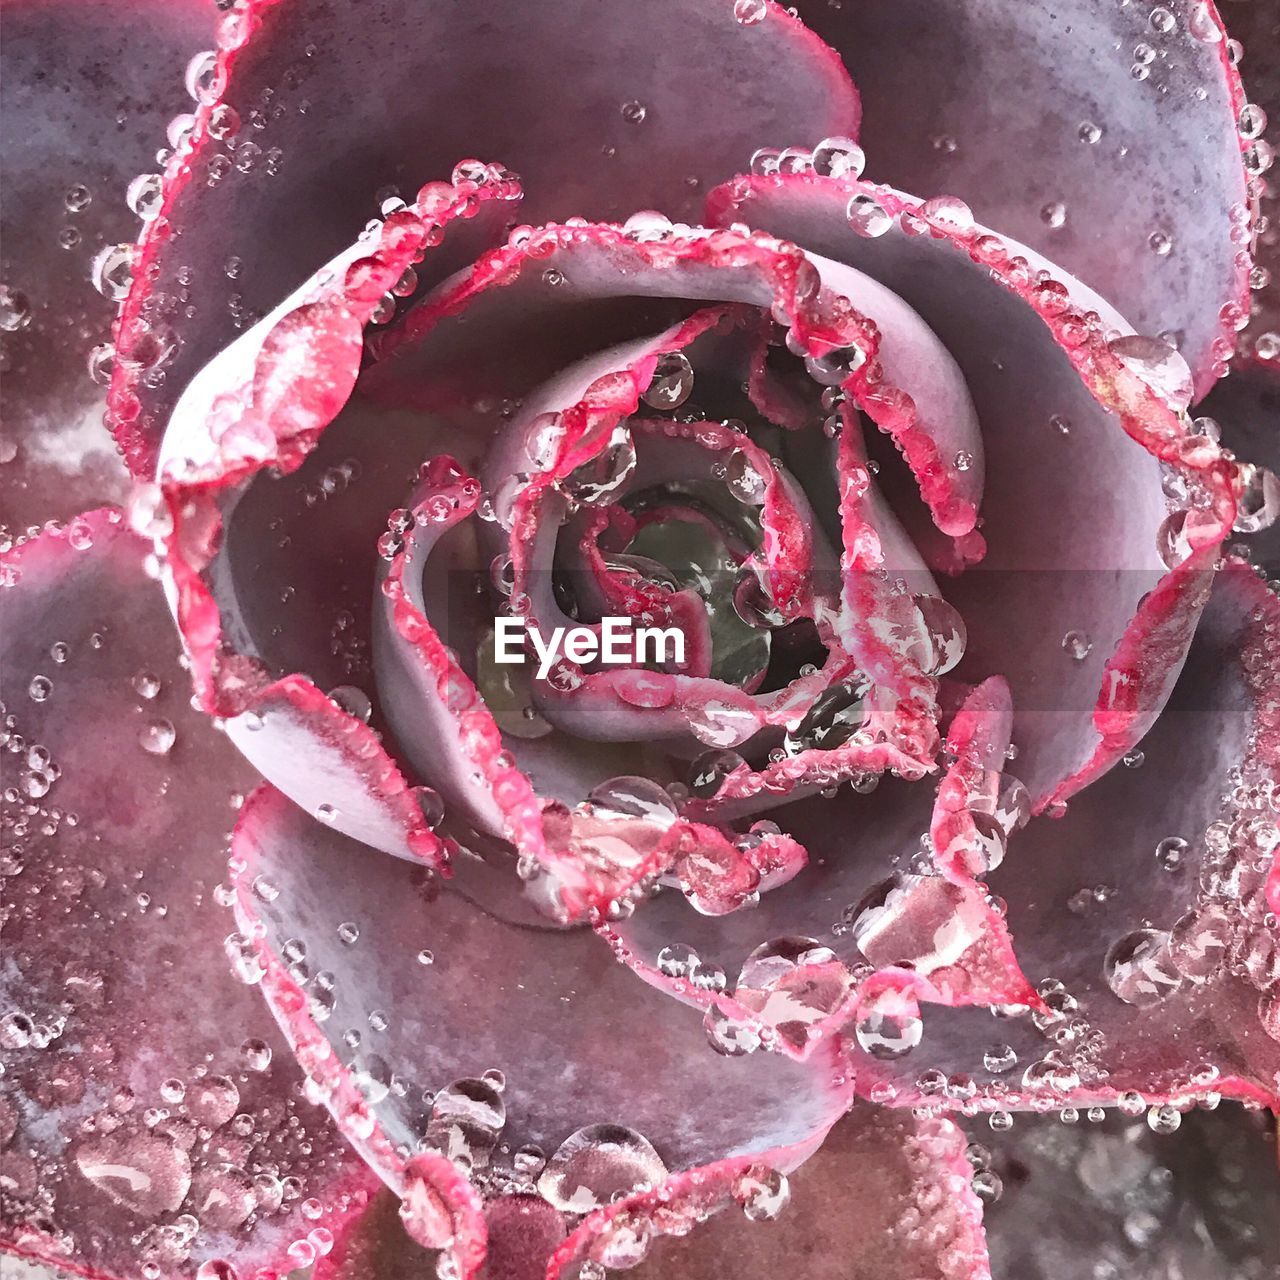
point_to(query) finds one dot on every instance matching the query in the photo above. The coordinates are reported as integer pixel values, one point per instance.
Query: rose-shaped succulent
(853, 350)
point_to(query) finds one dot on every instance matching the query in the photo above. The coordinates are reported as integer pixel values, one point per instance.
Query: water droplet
(672, 382)
(596, 1165)
(833, 720)
(1000, 1058)
(355, 702)
(868, 217)
(112, 271)
(719, 723)
(15, 309)
(222, 1197)
(1139, 969)
(948, 213)
(146, 684)
(201, 78)
(1054, 214)
(1199, 940)
(1170, 852)
(40, 688)
(1163, 1119)
(838, 157)
(941, 636)
(631, 798)
(213, 1101)
(145, 195)
(888, 1025)
(747, 13)
(599, 480)
(762, 1192)
(1076, 644)
(708, 772)
(634, 112)
(255, 1055)
(157, 737)
(728, 1036)
(1158, 364)
(1259, 501)
(145, 1172)
(467, 1117)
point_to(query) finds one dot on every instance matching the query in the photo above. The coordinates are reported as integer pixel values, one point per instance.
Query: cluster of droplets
(1229, 927)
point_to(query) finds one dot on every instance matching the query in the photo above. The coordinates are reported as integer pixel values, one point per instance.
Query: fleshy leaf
(1111, 145)
(152, 1113)
(559, 94)
(378, 947)
(887, 1196)
(88, 88)
(1142, 915)
(1054, 607)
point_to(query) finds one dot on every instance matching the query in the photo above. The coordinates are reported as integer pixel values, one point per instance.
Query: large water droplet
(145, 1172)
(466, 1120)
(112, 271)
(596, 1165)
(941, 637)
(629, 798)
(15, 309)
(1158, 364)
(868, 217)
(602, 478)
(838, 157)
(1139, 969)
(833, 720)
(1259, 501)
(672, 382)
(888, 1025)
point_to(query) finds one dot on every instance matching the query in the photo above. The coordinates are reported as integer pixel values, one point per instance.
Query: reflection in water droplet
(1138, 967)
(595, 1165)
(467, 1117)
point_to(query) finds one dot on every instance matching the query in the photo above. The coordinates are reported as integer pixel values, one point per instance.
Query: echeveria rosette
(834, 390)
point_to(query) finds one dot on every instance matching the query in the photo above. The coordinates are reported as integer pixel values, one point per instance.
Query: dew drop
(1077, 645)
(145, 195)
(112, 271)
(77, 198)
(762, 1192)
(1170, 852)
(1139, 969)
(838, 157)
(868, 217)
(672, 382)
(157, 737)
(15, 309)
(596, 1165)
